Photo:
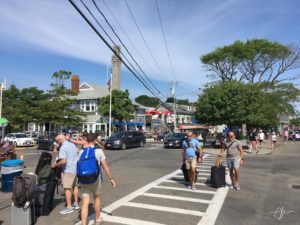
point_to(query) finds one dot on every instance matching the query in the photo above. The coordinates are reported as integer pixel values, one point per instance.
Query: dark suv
(125, 139)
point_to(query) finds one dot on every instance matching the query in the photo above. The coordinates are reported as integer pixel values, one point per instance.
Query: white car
(19, 139)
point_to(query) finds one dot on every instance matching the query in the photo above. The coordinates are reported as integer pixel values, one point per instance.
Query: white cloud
(192, 28)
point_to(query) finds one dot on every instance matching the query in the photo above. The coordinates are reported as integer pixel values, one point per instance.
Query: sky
(40, 37)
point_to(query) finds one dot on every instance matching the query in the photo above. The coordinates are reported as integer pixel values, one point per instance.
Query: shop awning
(3, 122)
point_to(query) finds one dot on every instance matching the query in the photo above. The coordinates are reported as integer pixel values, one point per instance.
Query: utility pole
(174, 83)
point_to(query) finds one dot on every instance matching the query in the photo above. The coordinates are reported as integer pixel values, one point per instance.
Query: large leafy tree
(147, 101)
(20, 106)
(236, 103)
(60, 109)
(122, 108)
(255, 60)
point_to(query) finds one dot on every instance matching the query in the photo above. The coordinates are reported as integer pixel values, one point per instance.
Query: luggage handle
(218, 161)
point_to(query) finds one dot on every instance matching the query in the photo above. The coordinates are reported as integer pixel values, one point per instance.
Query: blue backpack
(88, 168)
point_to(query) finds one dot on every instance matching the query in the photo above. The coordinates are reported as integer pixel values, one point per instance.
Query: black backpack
(24, 188)
(45, 159)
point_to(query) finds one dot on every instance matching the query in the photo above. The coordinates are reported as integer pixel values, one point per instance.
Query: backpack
(45, 159)
(24, 188)
(88, 168)
(45, 174)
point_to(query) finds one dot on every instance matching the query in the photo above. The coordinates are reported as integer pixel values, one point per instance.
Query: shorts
(253, 143)
(69, 180)
(94, 188)
(191, 163)
(233, 163)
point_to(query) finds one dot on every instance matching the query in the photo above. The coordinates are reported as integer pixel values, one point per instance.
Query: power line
(165, 41)
(102, 14)
(110, 38)
(124, 32)
(107, 44)
(144, 40)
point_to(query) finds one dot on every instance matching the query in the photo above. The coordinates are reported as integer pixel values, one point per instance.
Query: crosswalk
(169, 201)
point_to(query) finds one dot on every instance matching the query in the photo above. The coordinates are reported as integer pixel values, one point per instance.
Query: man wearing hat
(191, 154)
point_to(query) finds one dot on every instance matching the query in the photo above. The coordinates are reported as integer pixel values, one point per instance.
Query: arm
(200, 154)
(59, 164)
(222, 149)
(107, 171)
(241, 154)
(183, 151)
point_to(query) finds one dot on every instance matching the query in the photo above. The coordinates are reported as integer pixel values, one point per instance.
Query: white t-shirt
(98, 153)
(261, 136)
(274, 137)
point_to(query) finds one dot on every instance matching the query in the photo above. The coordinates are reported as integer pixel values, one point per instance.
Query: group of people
(192, 154)
(259, 137)
(68, 157)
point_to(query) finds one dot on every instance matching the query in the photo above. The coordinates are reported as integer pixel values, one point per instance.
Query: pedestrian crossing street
(169, 201)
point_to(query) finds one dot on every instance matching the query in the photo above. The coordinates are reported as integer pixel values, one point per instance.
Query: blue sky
(39, 37)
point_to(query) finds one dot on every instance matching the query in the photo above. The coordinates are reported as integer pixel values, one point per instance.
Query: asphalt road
(148, 177)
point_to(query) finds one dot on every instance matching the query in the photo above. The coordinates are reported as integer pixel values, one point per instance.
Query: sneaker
(190, 186)
(99, 222)
(237, 187)
(66, 211)
(75, 206)
(193, 188)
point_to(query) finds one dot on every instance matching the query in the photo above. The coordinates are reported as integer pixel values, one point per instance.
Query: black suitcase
(185, 173)
(44, 198)
(217, 176)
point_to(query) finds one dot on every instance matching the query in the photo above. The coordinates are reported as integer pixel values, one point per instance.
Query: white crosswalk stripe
(212, 199)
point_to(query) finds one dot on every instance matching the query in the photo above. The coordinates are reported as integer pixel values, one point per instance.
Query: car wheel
(123, 146)
(141, 144)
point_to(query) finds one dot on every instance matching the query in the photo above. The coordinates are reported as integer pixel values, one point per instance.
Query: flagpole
(110, 90)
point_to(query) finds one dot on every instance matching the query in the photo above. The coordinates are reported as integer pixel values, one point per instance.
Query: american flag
(108, 83)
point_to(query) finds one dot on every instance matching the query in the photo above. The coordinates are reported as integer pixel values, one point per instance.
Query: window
(88, 105)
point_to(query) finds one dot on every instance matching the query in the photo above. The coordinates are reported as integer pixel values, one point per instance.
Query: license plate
(170, 144)
(108, 145)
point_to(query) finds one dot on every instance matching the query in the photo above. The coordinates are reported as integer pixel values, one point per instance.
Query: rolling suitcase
(23, 215)
(217, 176)
(44, 198)
(185, 173)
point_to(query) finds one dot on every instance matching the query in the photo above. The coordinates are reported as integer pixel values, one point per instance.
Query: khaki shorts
(94, 188)
(190, 163)
(69, 180)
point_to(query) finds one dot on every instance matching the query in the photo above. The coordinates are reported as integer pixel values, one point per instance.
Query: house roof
(180, 109)
(91, 91)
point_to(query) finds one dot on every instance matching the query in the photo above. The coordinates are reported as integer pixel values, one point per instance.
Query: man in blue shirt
(68, 161)
(191, 154)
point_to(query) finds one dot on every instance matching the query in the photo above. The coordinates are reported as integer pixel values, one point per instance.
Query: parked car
(125, 139)
(19, 139)
(46, 142)
(160, 135)
(297, 133)
(174, 140)
(33, 135)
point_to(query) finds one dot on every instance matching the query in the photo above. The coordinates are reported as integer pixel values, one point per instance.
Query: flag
(108, 83)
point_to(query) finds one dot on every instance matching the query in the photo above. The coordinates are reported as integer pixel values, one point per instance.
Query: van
(125, 139)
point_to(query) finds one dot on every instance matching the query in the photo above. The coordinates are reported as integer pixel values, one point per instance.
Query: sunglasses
(231, 135)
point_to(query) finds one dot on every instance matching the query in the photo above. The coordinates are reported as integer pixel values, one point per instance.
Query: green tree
(179, 101)
(122, 108)
(60, 109)
(236, 103)
(21, 106)
(147, 101)
(255, 60)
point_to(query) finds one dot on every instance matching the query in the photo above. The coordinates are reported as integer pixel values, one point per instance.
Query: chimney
(116, 69)
(75, 83)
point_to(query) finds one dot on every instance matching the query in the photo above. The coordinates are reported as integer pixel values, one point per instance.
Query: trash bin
(9, 170)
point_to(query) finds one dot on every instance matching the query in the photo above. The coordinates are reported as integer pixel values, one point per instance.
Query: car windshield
(118, 135)
(21, 136)
(176, 135)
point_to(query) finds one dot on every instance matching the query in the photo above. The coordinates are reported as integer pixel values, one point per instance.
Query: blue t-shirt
(68, 151)
(191, 148)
